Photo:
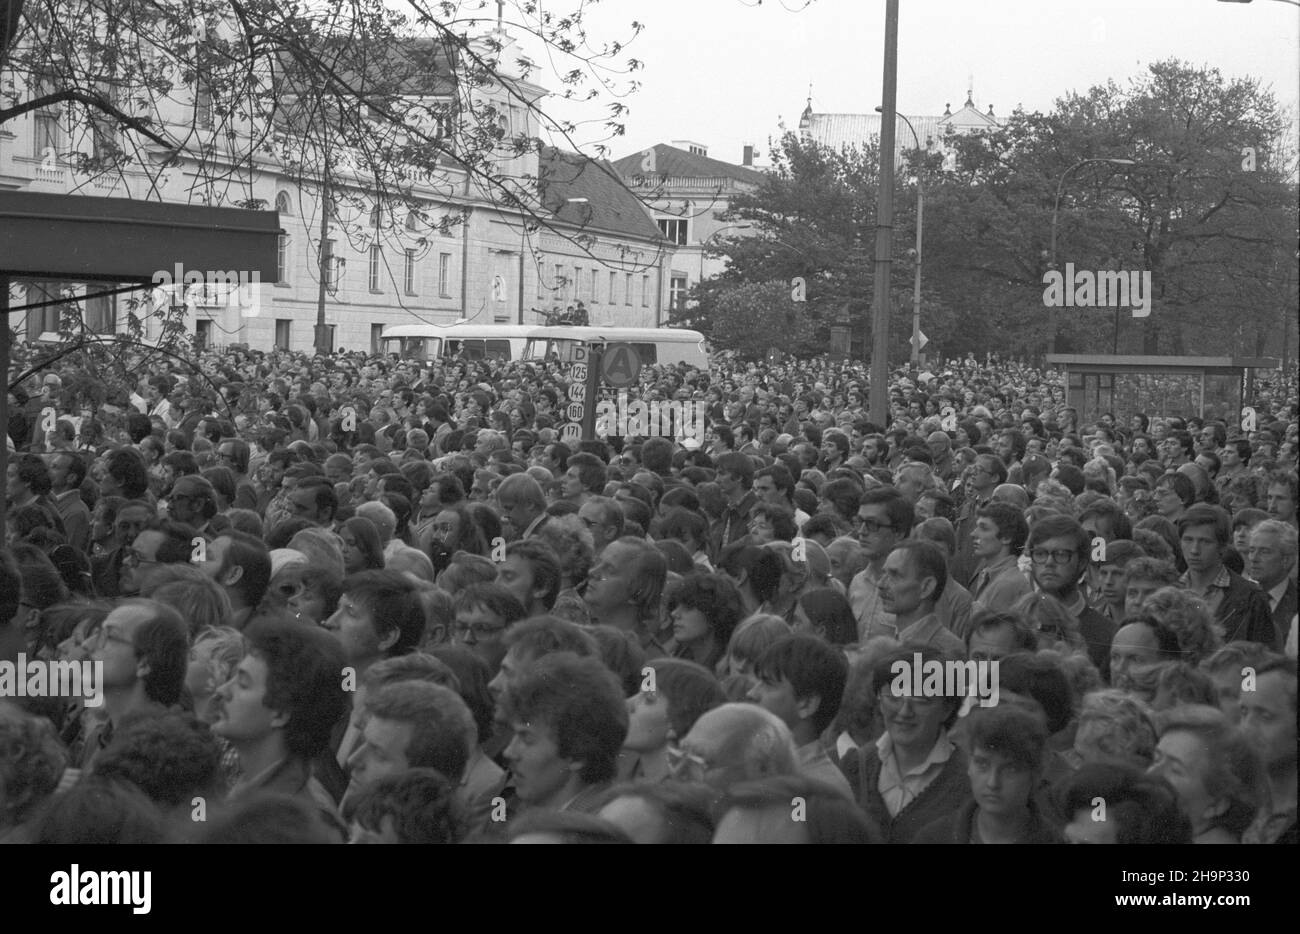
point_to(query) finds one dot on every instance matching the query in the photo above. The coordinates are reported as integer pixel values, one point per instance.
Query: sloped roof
(669, 160)
(415, 67)
(840, 130)
(610, 206)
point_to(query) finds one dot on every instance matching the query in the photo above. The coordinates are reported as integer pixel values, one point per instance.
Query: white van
(653, 345)
(473, 341)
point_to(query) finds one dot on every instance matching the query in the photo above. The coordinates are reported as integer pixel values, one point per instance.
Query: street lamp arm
(1060, 189)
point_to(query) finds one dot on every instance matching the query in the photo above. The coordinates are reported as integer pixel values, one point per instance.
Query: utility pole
(879, 396)
(4, 400)
(323, 261)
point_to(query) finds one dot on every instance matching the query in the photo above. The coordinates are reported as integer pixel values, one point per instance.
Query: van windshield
(565, 350)
(413, 348)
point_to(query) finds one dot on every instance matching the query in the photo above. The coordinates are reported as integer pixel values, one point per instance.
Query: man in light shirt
(884, 519)
(999, 536)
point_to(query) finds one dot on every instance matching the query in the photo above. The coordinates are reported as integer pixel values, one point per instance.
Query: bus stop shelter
(1210, 387)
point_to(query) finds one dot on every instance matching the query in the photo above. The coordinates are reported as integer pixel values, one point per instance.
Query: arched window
(413, 222)
(283, 204)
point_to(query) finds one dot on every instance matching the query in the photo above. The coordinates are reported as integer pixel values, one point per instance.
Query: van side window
(498, 350)
(647, 352)
(474, 350)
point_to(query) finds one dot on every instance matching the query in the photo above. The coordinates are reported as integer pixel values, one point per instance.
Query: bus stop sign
(621, 365)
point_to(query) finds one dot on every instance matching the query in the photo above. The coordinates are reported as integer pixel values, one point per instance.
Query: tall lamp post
(879, 393)
(916, 282)
(1056, 211)
(1060, 188)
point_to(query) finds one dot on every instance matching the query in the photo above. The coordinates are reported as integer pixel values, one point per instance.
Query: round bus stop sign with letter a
(621, 365)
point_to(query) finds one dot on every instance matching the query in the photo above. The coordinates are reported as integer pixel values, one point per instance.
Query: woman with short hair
(1217, 775)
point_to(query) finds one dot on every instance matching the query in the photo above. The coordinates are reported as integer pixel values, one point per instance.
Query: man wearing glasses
(914, 773)
(884, 519)
(1059, 549)
(483, 614)
(144, 649)
(734, 743)
(163, 541)
(193, 501)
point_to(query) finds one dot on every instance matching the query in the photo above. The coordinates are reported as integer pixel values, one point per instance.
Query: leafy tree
(1216, 237)
(813, 219)
(755, 318)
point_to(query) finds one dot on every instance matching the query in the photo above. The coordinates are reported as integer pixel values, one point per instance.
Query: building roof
(840, 130)
(843, 130)
(563, 176)
(678, 163)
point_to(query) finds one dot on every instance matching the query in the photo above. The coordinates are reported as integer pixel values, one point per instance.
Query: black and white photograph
(482, 422)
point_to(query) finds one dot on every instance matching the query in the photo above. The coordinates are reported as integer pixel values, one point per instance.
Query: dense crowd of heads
(367, 599)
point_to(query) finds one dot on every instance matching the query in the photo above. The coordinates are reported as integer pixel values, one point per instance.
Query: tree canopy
(1182, 173)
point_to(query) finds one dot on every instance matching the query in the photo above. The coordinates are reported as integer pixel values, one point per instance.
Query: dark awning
(122, 240)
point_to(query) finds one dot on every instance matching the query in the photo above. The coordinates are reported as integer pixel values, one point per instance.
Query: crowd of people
(364, 599)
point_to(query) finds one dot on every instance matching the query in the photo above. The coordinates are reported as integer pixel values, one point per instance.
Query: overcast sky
(726, 72)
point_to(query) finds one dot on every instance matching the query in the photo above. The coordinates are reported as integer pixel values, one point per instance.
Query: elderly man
(1270, 560)
(734, 743)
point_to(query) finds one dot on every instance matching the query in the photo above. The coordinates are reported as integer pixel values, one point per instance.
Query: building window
(595, 286)
(444, 275)
(101, 317)
(48, 139)
(408, 273)
(541, 277)
(376, 332)
(577, 283)
(561, 284)
(442, 119)
(283, 204)
(673, 229)
(105, 135)
(627, 288)
(282, 259)
(677, 292)
(613, 288)
(376, 258)
(42, 320)
(283, 332)
(645, 291)
(202, 334)
(203, 113)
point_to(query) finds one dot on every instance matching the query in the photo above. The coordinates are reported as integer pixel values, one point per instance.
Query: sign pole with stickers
(594, 354)
(581, 408)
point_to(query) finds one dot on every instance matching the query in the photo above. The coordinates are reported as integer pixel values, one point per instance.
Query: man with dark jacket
(1239, 606)
(1270, 561)
(735, 477)
(279, 708)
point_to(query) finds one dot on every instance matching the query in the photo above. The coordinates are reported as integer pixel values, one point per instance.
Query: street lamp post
(879, 392)
(1060, 188)
(916, 283)
(1056, 210)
